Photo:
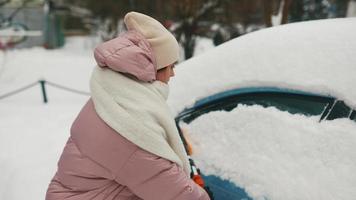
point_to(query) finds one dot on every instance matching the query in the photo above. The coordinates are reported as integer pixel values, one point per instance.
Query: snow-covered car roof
(315, 56)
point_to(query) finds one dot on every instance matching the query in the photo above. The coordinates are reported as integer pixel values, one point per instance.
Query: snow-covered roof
(316, 56)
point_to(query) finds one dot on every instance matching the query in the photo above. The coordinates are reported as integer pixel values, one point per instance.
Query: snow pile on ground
(276, 155)
(32, 137)
(316, 56)
(32, 134)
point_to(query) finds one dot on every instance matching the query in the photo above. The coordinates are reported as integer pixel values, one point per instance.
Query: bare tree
(190, 13)
(272, 8)
(285, 11)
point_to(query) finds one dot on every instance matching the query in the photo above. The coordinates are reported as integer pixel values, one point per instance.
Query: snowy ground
(283, 156)
(32, 134)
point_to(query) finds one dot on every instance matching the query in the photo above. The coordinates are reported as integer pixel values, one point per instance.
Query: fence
(43, 84)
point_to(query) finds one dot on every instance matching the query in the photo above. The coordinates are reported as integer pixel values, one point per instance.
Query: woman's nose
(172, 72)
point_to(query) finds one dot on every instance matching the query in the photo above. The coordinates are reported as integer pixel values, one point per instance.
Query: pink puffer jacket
(97, 163)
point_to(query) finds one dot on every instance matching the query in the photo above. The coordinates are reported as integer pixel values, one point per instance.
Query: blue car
(292, 101)
(301, 72)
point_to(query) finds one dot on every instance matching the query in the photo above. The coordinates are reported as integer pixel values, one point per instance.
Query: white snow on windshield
(277, 155)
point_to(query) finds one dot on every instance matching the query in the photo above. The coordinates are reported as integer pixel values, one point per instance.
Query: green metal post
(43, 87)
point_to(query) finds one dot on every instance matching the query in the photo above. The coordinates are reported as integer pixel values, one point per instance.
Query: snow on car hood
(315, 56)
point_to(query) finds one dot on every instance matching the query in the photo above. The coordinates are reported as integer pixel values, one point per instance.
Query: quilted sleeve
(153, 178)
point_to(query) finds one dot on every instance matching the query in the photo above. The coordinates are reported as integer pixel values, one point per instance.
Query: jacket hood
(129, 53)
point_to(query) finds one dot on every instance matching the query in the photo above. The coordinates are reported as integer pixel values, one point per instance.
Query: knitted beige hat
(163, 43)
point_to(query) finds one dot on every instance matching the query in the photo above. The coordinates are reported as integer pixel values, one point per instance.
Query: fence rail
(43, 84)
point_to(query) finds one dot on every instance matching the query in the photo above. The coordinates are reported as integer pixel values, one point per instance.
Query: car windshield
(339, 110)
(294, 102)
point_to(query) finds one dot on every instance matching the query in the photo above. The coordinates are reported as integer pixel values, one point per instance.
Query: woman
(124, 144)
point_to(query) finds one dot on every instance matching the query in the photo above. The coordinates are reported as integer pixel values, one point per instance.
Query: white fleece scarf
(138, 111)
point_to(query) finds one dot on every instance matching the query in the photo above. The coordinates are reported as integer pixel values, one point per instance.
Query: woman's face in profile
(165, 74)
